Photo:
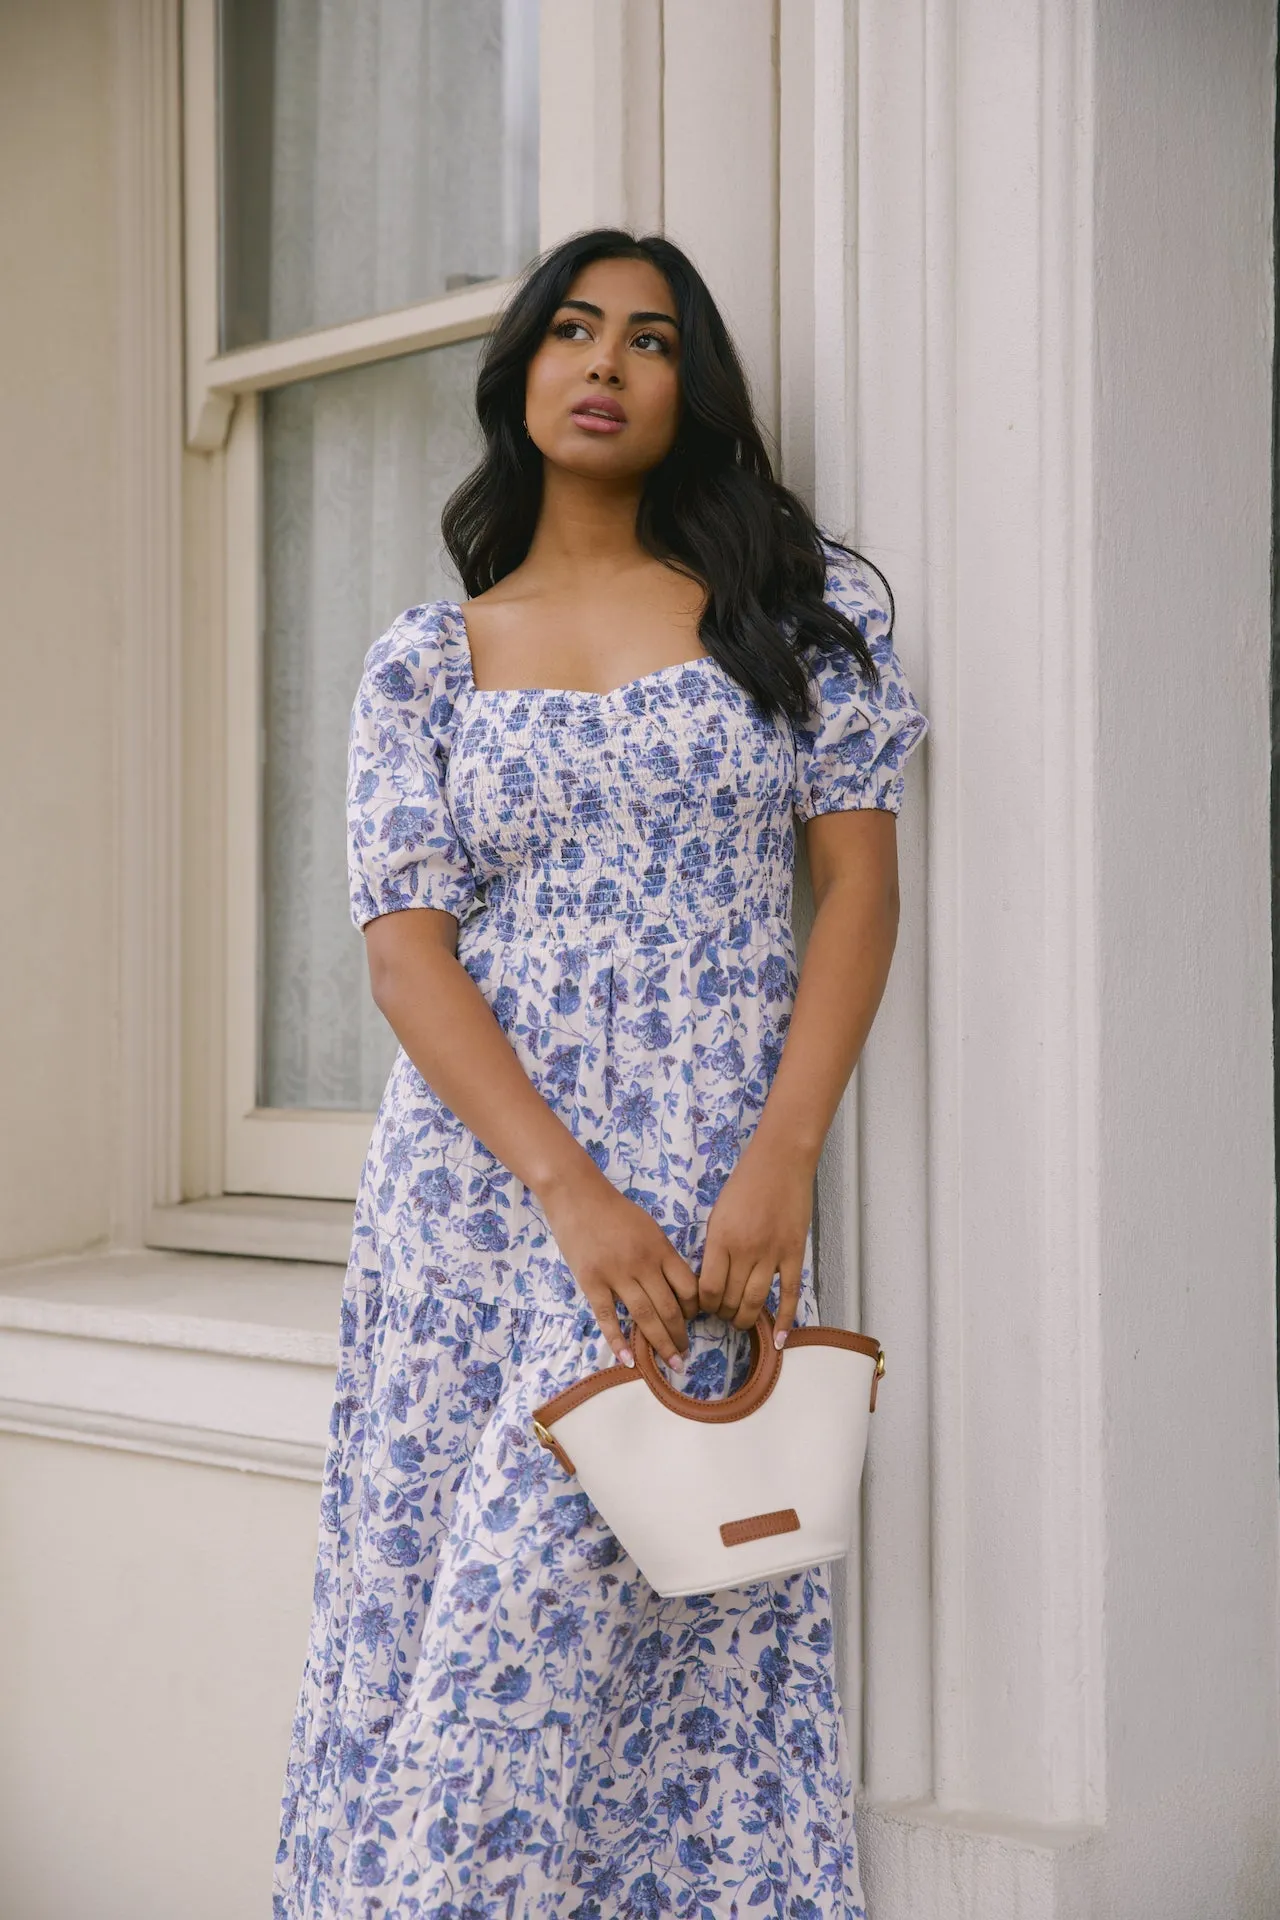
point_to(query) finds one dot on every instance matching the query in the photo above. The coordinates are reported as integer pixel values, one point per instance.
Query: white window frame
(606, 169)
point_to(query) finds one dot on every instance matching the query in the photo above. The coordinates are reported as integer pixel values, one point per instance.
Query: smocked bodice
(647, 815)
(650, 814)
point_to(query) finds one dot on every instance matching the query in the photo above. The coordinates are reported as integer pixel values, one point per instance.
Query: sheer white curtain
(358, 467)
(404, 152)
(400, 139)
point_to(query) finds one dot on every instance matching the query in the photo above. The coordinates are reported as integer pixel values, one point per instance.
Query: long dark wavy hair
(712, 508)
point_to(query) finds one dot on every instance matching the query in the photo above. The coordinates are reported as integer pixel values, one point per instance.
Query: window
(375, 188)
(372, 157)
(360, 184)
(356, 468)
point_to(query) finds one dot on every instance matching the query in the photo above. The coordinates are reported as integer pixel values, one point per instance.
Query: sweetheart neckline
(568, 693)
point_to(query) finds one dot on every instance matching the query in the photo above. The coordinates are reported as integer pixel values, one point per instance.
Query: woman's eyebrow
(585, 306)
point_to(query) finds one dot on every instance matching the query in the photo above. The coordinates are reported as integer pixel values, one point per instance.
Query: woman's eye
(564, 329)
(658, 340)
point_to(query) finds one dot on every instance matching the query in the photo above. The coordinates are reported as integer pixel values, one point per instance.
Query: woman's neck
(585, 526)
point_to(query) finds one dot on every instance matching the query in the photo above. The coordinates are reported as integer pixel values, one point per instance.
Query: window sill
(257, 1227)
(223, 1361)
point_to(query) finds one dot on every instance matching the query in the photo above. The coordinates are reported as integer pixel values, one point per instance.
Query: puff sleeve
(403, 848)
(852, 749)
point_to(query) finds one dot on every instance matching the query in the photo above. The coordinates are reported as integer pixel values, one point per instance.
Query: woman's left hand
(757, 1228)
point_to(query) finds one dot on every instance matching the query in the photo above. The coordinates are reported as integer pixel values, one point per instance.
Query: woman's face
(602, 392)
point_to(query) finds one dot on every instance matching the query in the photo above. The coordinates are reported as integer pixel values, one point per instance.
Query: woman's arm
(760, 1219)
(447, 1028)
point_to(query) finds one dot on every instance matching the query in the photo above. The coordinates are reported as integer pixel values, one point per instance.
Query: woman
(584, 781)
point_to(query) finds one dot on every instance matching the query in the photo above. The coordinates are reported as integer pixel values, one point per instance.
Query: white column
(147, 722)
(600, 152)
(720, 158)
(1184, 123)
(899, 463)
(1062, 460)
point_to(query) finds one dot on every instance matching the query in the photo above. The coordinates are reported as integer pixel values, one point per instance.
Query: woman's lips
(597, 422)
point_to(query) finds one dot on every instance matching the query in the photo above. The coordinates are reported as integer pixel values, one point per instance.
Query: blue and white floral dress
(499, 1719)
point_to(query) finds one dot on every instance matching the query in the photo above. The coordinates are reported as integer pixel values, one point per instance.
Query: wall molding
(199, 1446)
(208, 413)
(817, 371)
(222, 1361)
(147, 721)
(971, 397)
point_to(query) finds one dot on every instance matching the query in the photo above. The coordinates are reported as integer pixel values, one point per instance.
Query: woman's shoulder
(421, 654)
(859, 591)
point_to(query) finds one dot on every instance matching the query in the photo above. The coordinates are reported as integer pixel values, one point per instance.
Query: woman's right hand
(616, 1251)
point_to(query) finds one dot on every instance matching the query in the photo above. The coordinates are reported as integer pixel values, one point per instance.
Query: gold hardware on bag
(877, 1377)
(552, 1445)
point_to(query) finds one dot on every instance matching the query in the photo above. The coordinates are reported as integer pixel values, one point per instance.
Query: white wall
(153, 1620)
(152, 1614)
(58, 627)
(720, 157)
(1184, 122)
(1063, 364)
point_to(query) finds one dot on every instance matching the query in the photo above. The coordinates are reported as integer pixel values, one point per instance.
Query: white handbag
(705, 1494)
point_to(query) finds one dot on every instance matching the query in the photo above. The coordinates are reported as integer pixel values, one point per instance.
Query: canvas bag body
(711, 1494)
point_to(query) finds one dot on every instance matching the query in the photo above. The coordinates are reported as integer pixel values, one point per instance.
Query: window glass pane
(358, 466)
(373, 155)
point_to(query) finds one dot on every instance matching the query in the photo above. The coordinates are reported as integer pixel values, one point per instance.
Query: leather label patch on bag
(736, 1533)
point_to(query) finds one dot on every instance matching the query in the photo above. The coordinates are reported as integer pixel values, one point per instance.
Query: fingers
(607, 1320)
(683, 1281)
(601, 1234)
(653, 1309)
(713, 1277)
(788, 1299)
(656, 1311)
(723, 1280)
(741, 1263)
(754, 1294)
(735, 1287)
(670, 1315)
(744, 1290)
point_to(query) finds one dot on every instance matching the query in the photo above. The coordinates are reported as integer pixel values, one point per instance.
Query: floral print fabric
(498, 1718)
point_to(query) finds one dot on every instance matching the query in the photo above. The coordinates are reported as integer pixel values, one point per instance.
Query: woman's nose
(604, 368)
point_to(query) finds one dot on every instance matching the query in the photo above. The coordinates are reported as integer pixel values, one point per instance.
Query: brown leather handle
(766, 1363)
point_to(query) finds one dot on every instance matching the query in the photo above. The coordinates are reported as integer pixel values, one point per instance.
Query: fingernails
(780, 1338)
(626, 1356)
(676, 1361)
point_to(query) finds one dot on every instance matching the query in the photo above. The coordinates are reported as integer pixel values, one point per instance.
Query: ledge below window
(224, 1361)
(256, 1226)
